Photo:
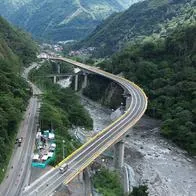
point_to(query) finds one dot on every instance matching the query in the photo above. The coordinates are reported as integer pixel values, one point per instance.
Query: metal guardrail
(119, 128)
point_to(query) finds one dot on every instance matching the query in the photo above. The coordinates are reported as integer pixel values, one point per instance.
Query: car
(19, 141)
(63, 168)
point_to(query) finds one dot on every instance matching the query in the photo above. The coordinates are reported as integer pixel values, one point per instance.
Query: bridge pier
(55, 79)
(81, 176)
(76, 83)
(125, 176)
(119, 155)
(58, 69)
(85, 82)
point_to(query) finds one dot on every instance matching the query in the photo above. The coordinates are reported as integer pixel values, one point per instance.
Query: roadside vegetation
(15, 94)
(139, 191)
(165, 69)
(16, 51)
(107, 183)
(60, 110)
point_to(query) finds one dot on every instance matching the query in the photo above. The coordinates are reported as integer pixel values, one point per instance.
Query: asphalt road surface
(18, 172)
(85, 155)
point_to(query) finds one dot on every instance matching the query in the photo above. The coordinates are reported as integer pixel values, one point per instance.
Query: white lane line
(37, 188)
(138, 94)
(90, 152)
(120, 122)
(104, 135)
(22, 154)
(96, 141)
(100, 150)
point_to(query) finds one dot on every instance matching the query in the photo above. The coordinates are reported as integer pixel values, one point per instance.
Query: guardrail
(83, 66)
(109, 135)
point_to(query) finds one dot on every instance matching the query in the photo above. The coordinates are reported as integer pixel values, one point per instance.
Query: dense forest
(165, 69)
(16, 50)
(61, 108)
(60, 20)
(148, 18)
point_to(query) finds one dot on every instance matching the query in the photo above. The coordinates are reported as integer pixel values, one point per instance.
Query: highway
(18, 172)
(85, 155)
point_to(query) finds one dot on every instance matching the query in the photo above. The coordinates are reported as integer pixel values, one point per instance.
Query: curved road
(18, 173)
(85, 155)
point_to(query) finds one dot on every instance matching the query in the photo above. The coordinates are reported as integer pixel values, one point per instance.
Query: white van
(63, 169)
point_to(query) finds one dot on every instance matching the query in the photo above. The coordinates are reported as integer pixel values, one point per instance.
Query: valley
(114, 81)
(60, 20)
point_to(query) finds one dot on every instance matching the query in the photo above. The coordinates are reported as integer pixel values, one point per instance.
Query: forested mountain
(151, 17)
(60, 19)
(16, 50)
(166, 69)
(14, 41)
(7, 7)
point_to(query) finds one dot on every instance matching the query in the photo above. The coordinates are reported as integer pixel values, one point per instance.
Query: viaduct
(136, 104)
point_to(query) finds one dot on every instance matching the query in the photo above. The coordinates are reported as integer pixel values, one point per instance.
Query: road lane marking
(116, 123)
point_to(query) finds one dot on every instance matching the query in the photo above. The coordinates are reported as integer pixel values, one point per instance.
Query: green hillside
(14, 41)
(166, 70)
(151, 17)
(60, 19)
(16, 49)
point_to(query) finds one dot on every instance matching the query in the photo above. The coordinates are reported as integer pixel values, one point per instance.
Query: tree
(139, 191)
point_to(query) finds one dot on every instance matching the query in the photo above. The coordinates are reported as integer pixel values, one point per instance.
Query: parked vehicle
(19, 141)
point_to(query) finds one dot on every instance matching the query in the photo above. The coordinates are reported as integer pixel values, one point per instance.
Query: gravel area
(165, 168)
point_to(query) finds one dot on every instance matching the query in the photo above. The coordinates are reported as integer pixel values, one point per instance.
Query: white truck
(63, 168)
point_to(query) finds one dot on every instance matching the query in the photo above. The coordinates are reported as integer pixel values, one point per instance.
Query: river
(162, 166)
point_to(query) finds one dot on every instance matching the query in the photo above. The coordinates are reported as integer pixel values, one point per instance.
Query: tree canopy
(165, 69)
(16, 50)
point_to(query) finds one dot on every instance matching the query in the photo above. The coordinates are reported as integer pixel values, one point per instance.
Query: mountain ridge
(148, 18)
(165, 69)
(16, 43)
(61, 19)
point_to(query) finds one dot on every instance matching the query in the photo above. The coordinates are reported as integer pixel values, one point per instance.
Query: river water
(166, 169)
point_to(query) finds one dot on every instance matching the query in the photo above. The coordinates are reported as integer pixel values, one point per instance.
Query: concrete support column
(84, 85)
(55, 79)
(125, 175)
(119, 154)
(81, 176)
(58, 69)
(76, 83)
(87, 181)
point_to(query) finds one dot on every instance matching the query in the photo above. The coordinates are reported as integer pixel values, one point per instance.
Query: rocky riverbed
(166, 169)
(156, 162)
